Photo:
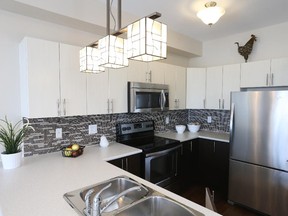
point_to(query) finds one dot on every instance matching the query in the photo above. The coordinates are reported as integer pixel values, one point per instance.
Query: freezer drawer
(260, 188)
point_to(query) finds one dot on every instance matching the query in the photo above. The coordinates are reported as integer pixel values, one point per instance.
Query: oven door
(162, 167)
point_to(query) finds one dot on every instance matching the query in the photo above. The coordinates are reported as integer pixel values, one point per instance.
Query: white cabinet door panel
(279, 72)
(214, 87)
(196, 87)
(231, 82)
(73, 82)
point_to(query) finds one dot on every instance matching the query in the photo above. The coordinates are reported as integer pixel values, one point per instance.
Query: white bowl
(180, 128)
(193, 127)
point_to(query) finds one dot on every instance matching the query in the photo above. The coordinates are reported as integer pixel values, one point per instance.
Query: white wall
(13, 29)
(271, 43)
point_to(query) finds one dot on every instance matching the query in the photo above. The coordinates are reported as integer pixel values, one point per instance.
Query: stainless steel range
(160, 156)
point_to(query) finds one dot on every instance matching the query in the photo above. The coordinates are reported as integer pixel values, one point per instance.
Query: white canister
(103, 141)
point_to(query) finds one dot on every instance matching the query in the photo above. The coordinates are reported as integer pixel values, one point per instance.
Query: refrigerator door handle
(232, 121)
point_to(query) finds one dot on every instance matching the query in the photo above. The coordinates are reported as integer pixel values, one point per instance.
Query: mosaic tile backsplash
(75, 128)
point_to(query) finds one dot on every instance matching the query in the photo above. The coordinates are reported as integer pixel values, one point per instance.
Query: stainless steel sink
(77, 198)
(157, 206)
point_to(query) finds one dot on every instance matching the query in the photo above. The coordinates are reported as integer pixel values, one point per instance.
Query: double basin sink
(142, 201)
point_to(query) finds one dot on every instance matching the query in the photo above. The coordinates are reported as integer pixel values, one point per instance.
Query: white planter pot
(11, 161)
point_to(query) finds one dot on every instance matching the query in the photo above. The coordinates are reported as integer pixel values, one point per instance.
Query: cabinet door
(118, 90)
(137, 71)
(157, 72)
(180, 87)
(39, 69)
(170, 80)
(214, 88)
(97, 93)
(196, 87)
(279, 72)
(131, 164)
(231, 82)
(255, 74)
(72, 82)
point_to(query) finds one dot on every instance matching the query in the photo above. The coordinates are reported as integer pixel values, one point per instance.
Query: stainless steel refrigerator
(258, 169)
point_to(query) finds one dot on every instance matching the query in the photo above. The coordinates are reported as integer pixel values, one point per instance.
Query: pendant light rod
(119, 16)
(108, 8)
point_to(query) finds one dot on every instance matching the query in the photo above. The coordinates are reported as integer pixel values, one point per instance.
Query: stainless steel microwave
(147, 97)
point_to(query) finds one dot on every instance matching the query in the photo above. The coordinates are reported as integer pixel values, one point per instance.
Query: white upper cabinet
(175, 77)
(196, 88)
(214, 88)
(156, 72)
(97, 93)
(255, 74)
(72, 82)
(137, 72)
(231, 82)
(39, 72)
(118, 90)
(51, 84)
(279, 72)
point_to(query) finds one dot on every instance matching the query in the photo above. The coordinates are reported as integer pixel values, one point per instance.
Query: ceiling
(240, 16)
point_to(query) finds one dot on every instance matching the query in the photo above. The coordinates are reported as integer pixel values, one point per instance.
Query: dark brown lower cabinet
(131, 164)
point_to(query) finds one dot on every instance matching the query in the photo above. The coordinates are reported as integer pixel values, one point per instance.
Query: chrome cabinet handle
(204, 103)
(191, 146)
(272, 79)
(266, 79)
(219, 103)
(150, 78)
(175, 101)
(64, 107)
(108, 106)
(127, 163)
(214, 146)
(111, 105)
(58, 107)
(222, 103)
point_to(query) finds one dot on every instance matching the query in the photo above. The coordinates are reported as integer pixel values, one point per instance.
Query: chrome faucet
(96, 209)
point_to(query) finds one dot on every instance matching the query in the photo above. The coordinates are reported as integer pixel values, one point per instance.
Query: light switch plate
(93, 129)
(58, 133)
(167, 120)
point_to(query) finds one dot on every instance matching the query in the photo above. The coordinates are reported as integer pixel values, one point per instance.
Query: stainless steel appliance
(160, 156)
(258, 173)
(147, 97)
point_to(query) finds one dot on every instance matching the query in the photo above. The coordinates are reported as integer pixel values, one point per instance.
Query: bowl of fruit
(73, 150)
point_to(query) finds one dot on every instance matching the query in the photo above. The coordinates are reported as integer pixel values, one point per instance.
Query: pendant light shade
(147, 40)
(89, 60)
(211, 14)
(113, 52)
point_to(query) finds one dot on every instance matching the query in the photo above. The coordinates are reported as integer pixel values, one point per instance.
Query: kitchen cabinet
(51, 84)
(138, 72)
(39, 74)
(131, 164)
(214, 88)
(221, 81)
(255, 74)
(279, 72)
(196, 88)
(157, 72)
(265, 73)
(214, 164)
(107, 92)
(231, 82)
(189, 162)
(175, 77)
(72, 82)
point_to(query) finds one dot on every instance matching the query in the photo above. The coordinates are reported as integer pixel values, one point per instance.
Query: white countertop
(186, 136)
(37, 187)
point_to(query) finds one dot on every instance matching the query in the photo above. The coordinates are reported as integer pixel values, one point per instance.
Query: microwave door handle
(163, 99)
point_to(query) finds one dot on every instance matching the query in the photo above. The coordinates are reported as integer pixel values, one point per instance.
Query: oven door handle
(157, 154)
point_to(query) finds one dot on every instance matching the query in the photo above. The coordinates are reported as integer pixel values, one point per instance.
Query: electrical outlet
(209, 119)
(167, 120)
(93, 129)
(58, 133)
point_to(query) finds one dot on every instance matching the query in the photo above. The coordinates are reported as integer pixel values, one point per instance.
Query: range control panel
(134, 127)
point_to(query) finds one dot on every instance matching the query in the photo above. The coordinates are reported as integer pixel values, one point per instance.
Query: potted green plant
(11, 137)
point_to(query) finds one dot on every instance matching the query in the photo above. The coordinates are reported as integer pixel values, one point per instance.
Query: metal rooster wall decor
(247, 48)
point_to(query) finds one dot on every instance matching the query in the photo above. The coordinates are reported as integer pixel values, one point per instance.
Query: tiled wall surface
(75, 128)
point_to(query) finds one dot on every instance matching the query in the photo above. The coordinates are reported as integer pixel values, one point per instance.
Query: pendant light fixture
(211, 14)
(147, 40)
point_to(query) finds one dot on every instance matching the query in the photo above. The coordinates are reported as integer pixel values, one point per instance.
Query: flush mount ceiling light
(147, 41)
(211, 14)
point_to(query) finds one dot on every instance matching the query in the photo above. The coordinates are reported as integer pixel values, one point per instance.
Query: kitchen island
(37, 187)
